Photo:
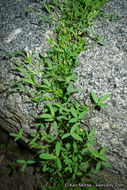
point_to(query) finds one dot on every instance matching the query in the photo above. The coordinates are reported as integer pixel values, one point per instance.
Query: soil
(11, 176)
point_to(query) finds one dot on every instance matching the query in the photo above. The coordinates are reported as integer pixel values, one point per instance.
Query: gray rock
(20, 30)
(103, 69)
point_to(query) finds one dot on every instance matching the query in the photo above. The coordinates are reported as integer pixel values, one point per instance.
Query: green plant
(25, 163)
(64, 148)
(12, 167)
(3, 146)
(30, 10)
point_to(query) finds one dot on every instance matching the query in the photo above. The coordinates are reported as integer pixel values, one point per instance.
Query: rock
(102, 69)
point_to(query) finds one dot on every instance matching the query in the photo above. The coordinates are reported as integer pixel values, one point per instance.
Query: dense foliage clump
(64, 147)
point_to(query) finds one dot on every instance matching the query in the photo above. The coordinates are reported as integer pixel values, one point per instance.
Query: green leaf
(13, 134)
(23, 167)
(91, 139)
(102, 43)
(32, 134)
(77, 105)
(98, 166)
(85, 164)
(59, 118)
(42, 55)
(45, 110)
(76, 136)
(65, 135)
(47, 156)
(30, 162)
(73, 177)
(21, 161)
(73, 120)
(47, 82)
(74, 127)
(102, 157)
(68, 146)
(55, 125)
(44, 169)
(15, 53)
(91, 30)
(21, 85)
(59, 163)
(106, 164)
(82, 115)
(86, 132)
(85, 150)
(43, 188)
(102, 150)
(43, 138)
(95, 98)
(50, 66)
(17, 138)
(58, 149)
(27, 80)
(46, 116)
(48, 120)
(74, 112)
(45, 87)
(79, 157)
(99, 37)
(48, 8)
(57, 104)
(51, 109)
(69, 88)
(89, 145)
(20, 132)
(94, 152)
(79, 173)
(92, 132)
(104, 98)
(102, 105)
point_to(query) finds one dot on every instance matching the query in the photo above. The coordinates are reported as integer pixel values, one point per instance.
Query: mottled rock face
(103, 69)
(20, 31)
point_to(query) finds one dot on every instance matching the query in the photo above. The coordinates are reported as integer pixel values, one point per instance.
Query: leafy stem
(63, 143)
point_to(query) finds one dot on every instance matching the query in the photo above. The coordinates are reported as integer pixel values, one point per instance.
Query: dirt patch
(11, 176)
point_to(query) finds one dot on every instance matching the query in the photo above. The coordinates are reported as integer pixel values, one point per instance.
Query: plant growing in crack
(67, 153)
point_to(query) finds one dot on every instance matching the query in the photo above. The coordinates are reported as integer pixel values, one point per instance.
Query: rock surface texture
(103, 69)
